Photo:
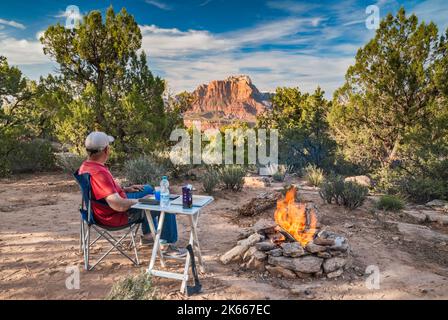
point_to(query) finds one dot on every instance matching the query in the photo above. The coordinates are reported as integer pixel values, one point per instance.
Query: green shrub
(331, 189)
(32, 156)
(133, 288)
(422, 190)
(314, 175)
(69, 162)
(144, 170)
(175, 170)
(353, 195)
(390, 203)
(233, 177)
(280, 175)
(418, 187)
(348, 194)
(210, 180)
(386, 180)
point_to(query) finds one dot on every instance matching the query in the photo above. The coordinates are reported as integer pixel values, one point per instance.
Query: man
(116, 211)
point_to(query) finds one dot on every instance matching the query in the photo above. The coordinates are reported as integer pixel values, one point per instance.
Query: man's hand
(118, 203)
(134, 188)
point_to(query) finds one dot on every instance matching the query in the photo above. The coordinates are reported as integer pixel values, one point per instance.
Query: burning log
(295, 219)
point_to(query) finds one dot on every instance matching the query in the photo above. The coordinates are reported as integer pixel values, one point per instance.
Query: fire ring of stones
(327, 254)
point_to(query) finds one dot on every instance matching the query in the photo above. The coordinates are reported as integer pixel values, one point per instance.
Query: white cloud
(292, 6)
(12, 23)
(434, 10)
(206, 2)
(350, 23)
(174, 42)
(21, 51)
(159, 4)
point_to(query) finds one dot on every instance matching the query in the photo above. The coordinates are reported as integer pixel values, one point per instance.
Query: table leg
(153, 232)
(187, 261)
(156, 241)
(194, 224)
(185, 275)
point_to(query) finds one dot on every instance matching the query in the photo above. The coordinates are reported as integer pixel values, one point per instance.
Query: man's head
(97, 146)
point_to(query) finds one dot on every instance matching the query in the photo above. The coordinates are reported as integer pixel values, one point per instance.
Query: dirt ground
(39, 239)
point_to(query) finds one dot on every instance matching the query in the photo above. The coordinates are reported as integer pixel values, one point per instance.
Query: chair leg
(81, 237)
(87, 249)
(115, 242)
(84, 244)
(115, 245)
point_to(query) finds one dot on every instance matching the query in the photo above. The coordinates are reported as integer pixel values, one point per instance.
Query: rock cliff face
(224, 101)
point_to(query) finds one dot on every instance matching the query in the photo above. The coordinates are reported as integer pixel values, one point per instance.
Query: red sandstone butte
(225, 101)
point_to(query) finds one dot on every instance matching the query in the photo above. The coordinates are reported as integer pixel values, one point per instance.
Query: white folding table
(193, 216)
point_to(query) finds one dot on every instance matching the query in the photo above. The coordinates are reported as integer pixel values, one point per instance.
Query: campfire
(294, 219)
(292, 244)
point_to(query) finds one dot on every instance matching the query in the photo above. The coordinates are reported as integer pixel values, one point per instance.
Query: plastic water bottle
(164, 193)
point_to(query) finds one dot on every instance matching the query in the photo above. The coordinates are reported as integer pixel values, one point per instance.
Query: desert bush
(422, 190)
(144, 170)
(233, 177)
(348, 194)
(69, 162)
(210, 180)
(353, 195)
(133, 288)
(417, 184)
(32, 156)
(331, 189)
(280, 175)
(175, 170)
(314, 175)
(390, 203)
(386, 180)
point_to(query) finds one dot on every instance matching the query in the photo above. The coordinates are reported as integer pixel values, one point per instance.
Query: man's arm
(134, 188)
(118, 203)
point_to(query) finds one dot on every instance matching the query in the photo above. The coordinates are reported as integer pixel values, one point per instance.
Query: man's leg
(169, 232)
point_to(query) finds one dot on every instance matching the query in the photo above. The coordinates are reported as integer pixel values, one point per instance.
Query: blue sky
(189, 42)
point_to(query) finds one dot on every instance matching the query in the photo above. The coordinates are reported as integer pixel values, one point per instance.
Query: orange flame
(292, 217)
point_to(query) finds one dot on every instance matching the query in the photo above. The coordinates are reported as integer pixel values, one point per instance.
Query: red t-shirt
(103, 185)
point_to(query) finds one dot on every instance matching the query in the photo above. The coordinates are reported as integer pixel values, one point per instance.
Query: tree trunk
(393, 153)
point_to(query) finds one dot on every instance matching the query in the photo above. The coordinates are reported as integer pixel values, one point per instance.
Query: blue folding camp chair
(88, 222)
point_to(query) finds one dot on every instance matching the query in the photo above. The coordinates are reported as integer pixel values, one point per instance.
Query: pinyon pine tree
(392, 110)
